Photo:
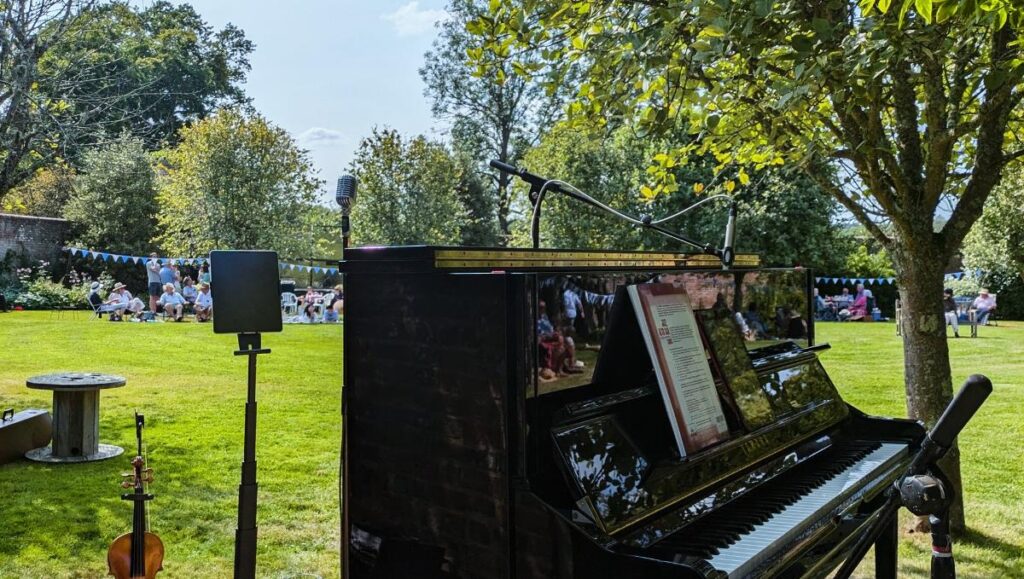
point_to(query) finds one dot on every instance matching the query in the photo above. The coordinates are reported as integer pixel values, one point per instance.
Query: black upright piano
(476, 445)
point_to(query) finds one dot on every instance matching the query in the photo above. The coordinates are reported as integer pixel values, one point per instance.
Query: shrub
(39, 292)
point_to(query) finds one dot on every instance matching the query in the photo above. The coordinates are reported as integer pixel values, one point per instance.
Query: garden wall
(34, 238)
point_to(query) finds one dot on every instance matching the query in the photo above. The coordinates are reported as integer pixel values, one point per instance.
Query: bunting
(977, 274)
(138, 259)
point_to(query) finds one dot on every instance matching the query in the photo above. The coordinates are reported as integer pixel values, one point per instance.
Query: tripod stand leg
(887, 550)
(943, 566)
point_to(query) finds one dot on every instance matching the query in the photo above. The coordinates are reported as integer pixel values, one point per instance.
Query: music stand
(245, 287)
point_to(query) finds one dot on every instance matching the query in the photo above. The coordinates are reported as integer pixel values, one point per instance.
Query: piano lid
(422, 258)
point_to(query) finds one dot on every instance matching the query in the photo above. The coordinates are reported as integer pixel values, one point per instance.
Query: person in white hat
(120, 300)
(204, 303)
(117, 302)
(172, 302)
(985, 303)
(94, 298)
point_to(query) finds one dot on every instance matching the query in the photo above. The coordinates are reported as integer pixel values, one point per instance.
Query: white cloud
(319, 136)
(410, 20)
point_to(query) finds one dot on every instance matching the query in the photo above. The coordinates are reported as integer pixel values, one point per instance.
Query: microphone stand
(345, 227)
(245, 534)
(924, 488)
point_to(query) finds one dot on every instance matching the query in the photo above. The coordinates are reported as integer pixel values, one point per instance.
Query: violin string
(145, 487)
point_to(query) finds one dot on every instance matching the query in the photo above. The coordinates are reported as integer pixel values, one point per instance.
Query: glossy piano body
(462, 459)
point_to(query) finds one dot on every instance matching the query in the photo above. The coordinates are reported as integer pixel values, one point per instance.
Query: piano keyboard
(737, 539)
(741, 557)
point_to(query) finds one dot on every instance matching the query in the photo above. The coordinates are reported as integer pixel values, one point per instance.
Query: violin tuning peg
(127, 485)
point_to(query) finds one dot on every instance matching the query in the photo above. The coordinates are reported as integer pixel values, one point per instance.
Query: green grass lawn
(57, 521)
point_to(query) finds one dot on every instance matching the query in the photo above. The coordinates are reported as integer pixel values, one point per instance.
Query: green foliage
(993, 12)
(783, 217)
(968, 285)
(862, 263)
(489, 120)
(161, 63)
(44, 194)
(234, 182)
(114, 205)
(996, 243)
(479, 228)
(38, 291)
(890, 100)
(322, 225)
(409, 192)
(33, 121)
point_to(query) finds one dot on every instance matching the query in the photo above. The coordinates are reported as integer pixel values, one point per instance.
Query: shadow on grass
(1006, 557)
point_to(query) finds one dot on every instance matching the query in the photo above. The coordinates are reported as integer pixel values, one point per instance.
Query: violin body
(138, 554)
(119, 556)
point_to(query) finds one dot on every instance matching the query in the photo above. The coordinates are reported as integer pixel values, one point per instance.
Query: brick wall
(37, 238)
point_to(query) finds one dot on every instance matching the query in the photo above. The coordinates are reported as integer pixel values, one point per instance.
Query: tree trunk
(919, 267)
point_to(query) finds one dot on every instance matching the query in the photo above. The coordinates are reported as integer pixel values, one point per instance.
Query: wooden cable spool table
(76, 416)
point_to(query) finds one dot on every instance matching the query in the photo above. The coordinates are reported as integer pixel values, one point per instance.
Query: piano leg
(886, 550)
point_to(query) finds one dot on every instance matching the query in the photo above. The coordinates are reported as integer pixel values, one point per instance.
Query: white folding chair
(289, 304)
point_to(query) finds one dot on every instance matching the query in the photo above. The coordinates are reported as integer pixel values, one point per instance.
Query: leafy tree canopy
(44, 194)
(489, 120)
(113, 205)
(162, 65)
(996, 244)
(409, 192)
(903, 97)
(783, 216)
(234, 182)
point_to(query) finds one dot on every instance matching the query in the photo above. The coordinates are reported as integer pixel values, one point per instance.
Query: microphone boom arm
(540, 185)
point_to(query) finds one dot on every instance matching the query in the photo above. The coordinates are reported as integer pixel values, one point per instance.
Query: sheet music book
(670, 330)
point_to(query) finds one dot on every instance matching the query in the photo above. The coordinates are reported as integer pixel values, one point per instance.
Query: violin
(138, 554)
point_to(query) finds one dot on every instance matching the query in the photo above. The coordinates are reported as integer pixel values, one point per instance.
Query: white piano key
(741, 557)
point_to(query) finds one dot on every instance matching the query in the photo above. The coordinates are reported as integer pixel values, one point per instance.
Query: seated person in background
(204, 303)
(557, 355)
(310, 297)
(94, 298)
(117, 302)
(844, 298)
(188, 290)
(172, 302)
(857, 311)
(985, 304)
(308, 315)
(337, 304)
(796, 328)
(332, 307)
(949, 310)
(204, 273)
(754, 321)
(748, 334)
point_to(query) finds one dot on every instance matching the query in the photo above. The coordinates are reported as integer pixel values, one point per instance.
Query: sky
(329, 71)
